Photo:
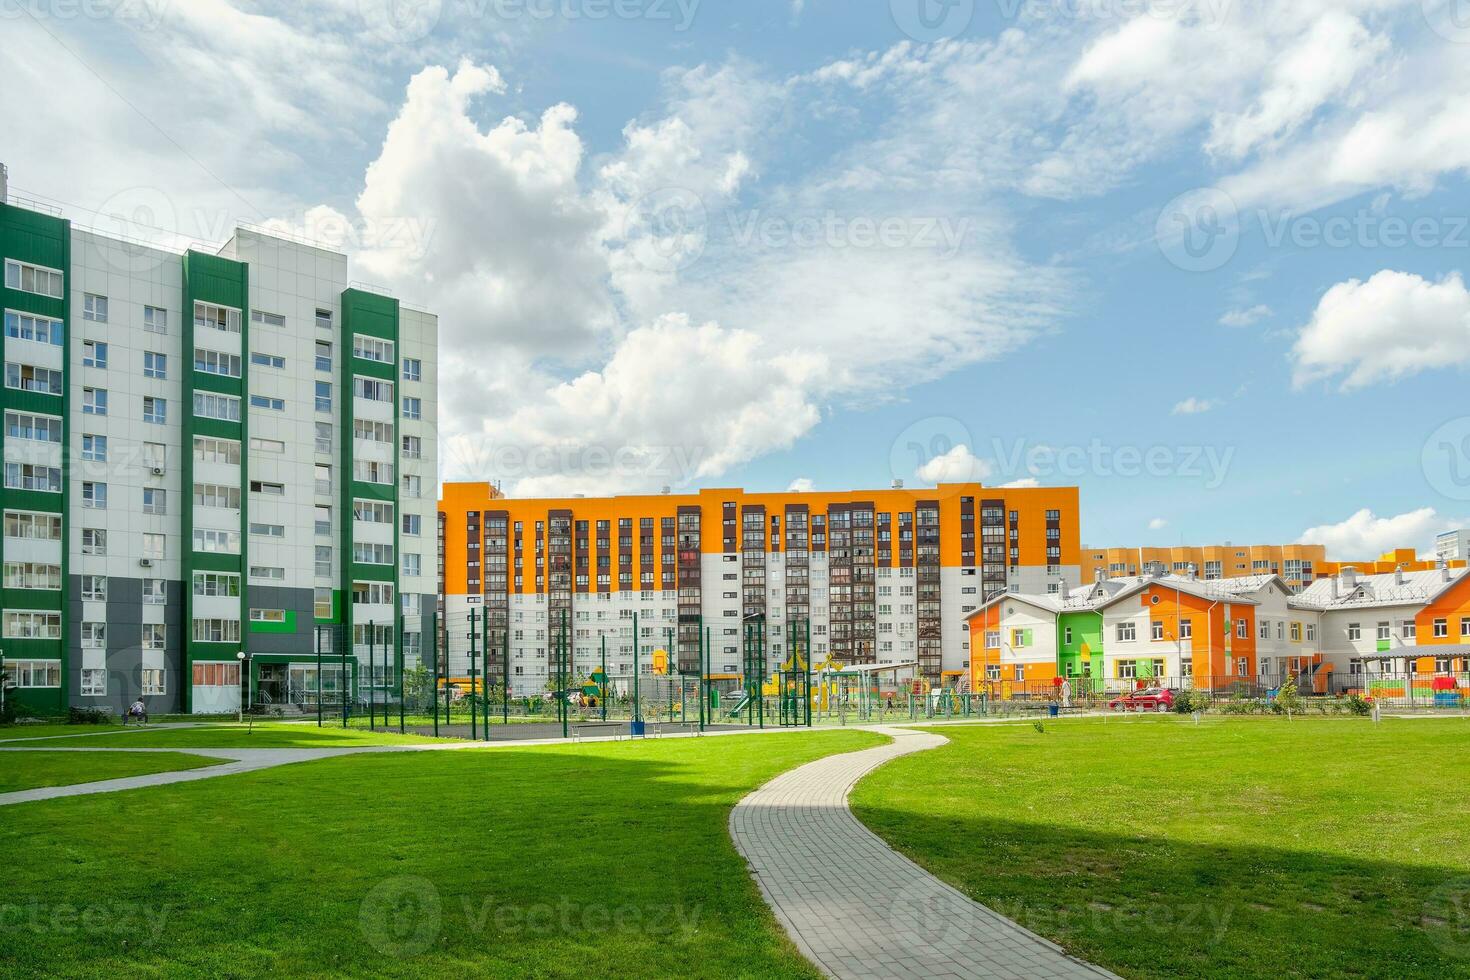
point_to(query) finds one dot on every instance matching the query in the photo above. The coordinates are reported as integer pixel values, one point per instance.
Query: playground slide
(739, 707)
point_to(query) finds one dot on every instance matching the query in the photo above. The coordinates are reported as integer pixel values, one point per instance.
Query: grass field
(29, 770)
(1247, 847)
(263, 735)
(597, 860)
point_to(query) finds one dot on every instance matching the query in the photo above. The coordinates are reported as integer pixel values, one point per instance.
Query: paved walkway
(858, 909)
(239, 760)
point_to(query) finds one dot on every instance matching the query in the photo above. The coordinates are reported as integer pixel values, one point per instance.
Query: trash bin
(1053, 710)
(638, 729)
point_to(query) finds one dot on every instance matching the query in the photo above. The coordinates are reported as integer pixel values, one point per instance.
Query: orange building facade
(863, 577)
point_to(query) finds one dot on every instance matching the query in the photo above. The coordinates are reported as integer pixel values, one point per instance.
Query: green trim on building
(288, 626)
(42, 240)
(223, 282)
(377, 316)
(1086, 631)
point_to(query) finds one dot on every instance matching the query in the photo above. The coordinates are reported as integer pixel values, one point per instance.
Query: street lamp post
(244, 681)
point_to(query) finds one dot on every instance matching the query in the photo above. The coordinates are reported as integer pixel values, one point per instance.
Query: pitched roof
(1414, 588)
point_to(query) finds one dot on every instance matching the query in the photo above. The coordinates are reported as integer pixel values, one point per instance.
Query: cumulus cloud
(1365, 535)
(1192, 406)
(1157, 524)
(959, 465)
(1394, 325)
(801, 484)
(1021, 484)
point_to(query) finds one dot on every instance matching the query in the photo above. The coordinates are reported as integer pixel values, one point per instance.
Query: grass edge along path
(604, 859)
(34, 770)
(1246, 847)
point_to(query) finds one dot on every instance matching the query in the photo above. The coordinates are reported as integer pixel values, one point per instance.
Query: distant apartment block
(882, 576)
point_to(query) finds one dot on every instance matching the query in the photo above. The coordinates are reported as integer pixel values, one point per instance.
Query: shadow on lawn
(1151, 907)
(549, 862)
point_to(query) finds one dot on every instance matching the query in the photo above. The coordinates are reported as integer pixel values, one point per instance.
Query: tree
(1288, 698)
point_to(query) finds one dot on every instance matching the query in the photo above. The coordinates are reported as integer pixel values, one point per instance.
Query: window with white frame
(94, 636)
(155, 365)
(216, 630)
(1126, 632)
(33, 673)
(216, 362)
(94, 354)
(153, 682)
(37, 428)
(210, 450)
(155, 500)
(154, 636)
(268, 402)
(372, 349)
(94, 682)
(209, 405)
(28, 377)
(94, 495)
(94, 588)
(32, 326)
(413, 369)
(31, 476)
(33, 279)
(94, 541)
(155, 319)
(94, 448)
(213, 541)
(413, 408)
(267, 319)
(154, 545)
(216, 584)
(155, 410)
(371, 389)
(30, 525)
(155, 592)
(211, 317)
(94, 307)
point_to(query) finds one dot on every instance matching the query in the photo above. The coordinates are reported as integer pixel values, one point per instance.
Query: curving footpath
(857, 908)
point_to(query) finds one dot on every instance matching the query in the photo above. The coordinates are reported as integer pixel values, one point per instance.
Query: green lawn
(264, 735)
(49, 729)
(597, 860)
(29, 770)
(1242, 847)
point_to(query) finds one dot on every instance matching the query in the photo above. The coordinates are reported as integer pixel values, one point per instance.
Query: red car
(1148, 699)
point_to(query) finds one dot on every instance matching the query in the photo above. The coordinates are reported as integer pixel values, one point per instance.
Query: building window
(268, 488)
(155, 592)
(27, 377)
(321, 605)
(1242, 629)
(323, 473)
(413, 447)
(94, 448)
(323, 521)
(372, 390)
(274, 573)
(30, 326)
(413, 486)
(154, 546)
(94, 354)
(413, 408)
(39, 428)
(94, 307)
(323, 561)
(323, 355)
(1186, 629)
(155, 410)
(261, 530)
(268, 403)
(273, 361)
(33, 673)
(324, 438)
(94, 636)
(1441, 628)
(217, 496)
(323, 396)
(1127, 632)
(155, 365)
(413, 524)
(32, 279)
(209, 316)
(216, 584)
(94, 495)
(267, 319)
(94, 541)
(153, 683)
(29, 476)
(155, 320)
(260, 445)
(1156, 630)
(31, 526)
(94, 682)
(94, 588)
(155, 501)
(216, 362)
(217, 631)
(208, 405)
(214, 541)
(413, 369)
(154, 636)
(372, 349)
(412, 564)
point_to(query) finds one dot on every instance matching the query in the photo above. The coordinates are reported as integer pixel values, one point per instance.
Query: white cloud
(801, 484)
(959, 465)
(1364, 536)
(1021, 484)
(1394, 325)
(1192, 406)
(1157, 524)
(1246, 317)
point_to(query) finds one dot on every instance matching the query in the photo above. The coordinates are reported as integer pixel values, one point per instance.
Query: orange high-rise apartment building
(876, 576)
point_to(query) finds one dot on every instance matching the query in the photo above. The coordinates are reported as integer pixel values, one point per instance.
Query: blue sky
(1152, 250)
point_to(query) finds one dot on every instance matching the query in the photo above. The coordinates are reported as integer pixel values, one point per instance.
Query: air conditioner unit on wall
(158, 471)
(145, 562)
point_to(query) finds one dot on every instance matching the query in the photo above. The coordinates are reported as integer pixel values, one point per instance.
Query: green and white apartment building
(209, 457)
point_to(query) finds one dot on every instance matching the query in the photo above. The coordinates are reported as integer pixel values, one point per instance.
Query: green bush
(88, 716)
(1356, 704)
(1188, 701)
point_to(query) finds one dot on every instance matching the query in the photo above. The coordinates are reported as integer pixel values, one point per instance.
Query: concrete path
(250, 760)
(858, 909)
